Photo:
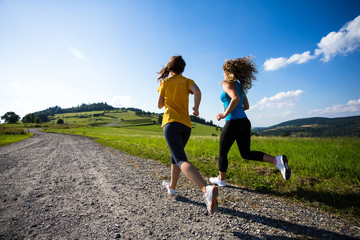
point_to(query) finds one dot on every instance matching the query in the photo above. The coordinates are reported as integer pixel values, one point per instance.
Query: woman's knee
(245, 155)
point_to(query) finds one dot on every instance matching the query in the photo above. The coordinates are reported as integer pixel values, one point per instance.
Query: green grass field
(325, 171)
(84, 118)
(10, 133)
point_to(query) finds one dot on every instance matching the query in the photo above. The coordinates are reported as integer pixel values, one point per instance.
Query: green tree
(43, 117)
(37, 120)
(29, 118)
(160, 118)
(11, 117)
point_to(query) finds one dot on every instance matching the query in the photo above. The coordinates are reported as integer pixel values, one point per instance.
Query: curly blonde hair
(241, 69)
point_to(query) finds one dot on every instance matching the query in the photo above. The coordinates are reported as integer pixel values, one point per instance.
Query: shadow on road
(348, 202)
(306, 231)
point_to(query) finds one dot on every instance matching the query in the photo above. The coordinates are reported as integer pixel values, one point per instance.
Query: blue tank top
(239, 111)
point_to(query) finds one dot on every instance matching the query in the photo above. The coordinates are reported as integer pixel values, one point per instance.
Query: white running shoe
(210, 198)
(217, 181)
(282, 165)
(165, 184)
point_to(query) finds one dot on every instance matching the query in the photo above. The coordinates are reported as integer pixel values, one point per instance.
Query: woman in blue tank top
(239, 75)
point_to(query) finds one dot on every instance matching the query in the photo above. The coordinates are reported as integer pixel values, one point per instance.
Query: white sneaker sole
(214, 202)
(287, 168)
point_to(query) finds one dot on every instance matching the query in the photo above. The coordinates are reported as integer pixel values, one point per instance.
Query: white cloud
(14, 85)
(286, 113)
(351, 107)
(275, 109)
(346, 40)
(276, 63)
(300, 58)
(122, 101)
(78, 54)
(281, 100)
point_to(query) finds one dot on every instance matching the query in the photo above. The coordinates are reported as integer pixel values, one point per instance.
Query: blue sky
(71, 52)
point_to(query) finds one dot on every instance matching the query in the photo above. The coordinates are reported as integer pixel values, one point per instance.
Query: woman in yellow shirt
(174, 95)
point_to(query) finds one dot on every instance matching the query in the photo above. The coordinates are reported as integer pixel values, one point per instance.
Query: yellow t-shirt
(175, 91)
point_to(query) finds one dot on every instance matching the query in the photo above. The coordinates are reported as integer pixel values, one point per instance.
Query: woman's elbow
(198, 93)
(194, 89)
(246, 104)
(236, 100)
(161, 102)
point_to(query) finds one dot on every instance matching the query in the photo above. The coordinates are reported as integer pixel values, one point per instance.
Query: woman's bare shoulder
(229, 85)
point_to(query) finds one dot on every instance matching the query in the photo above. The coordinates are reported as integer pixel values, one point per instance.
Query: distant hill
(46, 114)
(315, 127)
(306, 127)
(80, 108)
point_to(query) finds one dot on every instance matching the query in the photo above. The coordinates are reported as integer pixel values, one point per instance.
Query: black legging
(177, 135)
(239, 130)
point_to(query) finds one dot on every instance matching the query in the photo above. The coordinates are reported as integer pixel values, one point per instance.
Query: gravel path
(116, 123)
(55, 186)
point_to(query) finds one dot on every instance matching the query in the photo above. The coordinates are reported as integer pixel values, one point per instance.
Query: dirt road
(55, 186)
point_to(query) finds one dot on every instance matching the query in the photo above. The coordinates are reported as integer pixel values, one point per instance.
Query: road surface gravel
(57, 186)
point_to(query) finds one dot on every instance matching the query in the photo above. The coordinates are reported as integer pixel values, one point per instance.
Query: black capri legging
(239, 130)
(177, 135)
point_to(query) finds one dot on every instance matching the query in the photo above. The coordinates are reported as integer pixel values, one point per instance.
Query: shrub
(12, 131)
(60, 121)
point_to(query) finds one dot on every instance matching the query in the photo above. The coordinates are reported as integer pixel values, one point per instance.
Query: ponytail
(175, 65)
(164, 73)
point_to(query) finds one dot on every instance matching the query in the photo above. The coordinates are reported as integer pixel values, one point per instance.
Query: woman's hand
(196, 111)
(220, 116)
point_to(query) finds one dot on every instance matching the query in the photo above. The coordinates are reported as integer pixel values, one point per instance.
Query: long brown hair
(175, 65)
(242, 69)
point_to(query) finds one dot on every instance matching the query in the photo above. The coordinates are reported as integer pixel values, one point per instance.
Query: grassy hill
(125, 119)
(315, 127)
(99, 114)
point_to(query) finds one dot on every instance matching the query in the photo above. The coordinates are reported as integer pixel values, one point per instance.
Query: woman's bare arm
(230, 89)
(161, 102)
(246, 103)
(197, 98)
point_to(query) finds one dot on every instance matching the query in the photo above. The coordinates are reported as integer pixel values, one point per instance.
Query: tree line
(43, 116)
(80, 108)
